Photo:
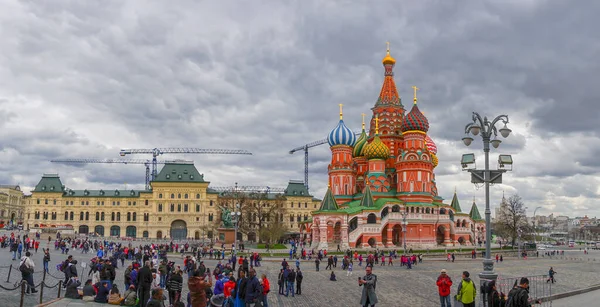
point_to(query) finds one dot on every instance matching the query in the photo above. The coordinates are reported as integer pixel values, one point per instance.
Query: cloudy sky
(84, 79)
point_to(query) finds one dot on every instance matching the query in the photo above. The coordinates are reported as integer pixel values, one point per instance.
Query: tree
(511, 218)
(261, 213)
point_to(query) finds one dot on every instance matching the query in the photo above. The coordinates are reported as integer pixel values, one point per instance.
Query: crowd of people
(150, 279)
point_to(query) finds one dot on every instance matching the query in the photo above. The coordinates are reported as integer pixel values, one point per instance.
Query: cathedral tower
(342, 177)
(414, 166)
(390, 111)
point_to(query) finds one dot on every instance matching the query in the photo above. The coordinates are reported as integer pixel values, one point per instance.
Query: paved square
(396, 286)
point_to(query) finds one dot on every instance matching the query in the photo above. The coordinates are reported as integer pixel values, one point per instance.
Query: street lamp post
(404, 226)
(534, 229)
(235, 217)
(487, 129)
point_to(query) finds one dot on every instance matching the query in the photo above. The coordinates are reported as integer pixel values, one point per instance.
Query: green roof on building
(179, 172)
(103, 193)
(367, 198)
(328, 203)
(49, 183)
(296, 188)
(475, 213)
(455, 204)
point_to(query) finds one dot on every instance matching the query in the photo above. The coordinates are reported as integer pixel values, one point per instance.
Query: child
(349, 269)
(332, 277)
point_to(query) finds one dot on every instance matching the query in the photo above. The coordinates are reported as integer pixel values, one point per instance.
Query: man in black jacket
(519, 296)
(253, 290)
(144, 281)
(299, 278)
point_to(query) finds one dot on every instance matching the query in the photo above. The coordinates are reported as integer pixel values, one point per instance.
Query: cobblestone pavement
(396, 286)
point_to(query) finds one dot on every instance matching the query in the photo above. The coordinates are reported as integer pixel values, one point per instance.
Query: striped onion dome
(376, 149)
(430, 145)
(341, 135)
(360, 145)
(415, 120)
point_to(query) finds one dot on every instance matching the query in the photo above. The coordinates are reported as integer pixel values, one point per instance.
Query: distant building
(11, 205)
(179, 205)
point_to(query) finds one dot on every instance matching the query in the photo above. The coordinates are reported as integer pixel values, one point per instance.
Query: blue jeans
(14, 255)
(45, 266)
(445, 301)
(265, 301)
(163, 280)
(290, 287)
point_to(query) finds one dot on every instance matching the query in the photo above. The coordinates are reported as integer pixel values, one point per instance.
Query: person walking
(26, 266)
(144, 282)
(551, 273)
(350, 265)
(466, 291)
(444, 283)
(317, 262)
(369, 283)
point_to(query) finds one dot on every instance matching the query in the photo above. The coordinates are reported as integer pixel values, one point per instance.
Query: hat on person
(444, 271)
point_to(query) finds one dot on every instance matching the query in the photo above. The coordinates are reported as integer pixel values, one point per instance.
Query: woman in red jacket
(266, 289)
(444, 282)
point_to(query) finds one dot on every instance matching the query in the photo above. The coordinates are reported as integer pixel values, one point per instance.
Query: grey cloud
(267, 77)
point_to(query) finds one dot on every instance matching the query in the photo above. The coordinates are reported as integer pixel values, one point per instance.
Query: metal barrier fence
(21, 285)
(540, 289)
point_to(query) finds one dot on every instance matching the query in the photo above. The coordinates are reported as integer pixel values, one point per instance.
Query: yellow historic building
(11, 205)
(179, 205)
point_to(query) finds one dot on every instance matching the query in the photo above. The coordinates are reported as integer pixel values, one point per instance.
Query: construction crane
(155, 152)
(121, 161)
(305, 148)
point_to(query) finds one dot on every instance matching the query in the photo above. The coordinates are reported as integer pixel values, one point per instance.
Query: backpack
(513, 296)
(25, 269)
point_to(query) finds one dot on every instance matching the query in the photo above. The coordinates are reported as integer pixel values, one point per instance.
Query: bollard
(42, 286)
(59, 288)
(9, 271)
(22, 293)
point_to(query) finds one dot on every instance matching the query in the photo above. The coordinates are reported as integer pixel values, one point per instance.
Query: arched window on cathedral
(371, 218)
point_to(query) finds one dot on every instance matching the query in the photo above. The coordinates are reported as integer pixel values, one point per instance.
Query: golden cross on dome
(388, 47)
(415, 94)
(376, 124)
(341, 105)
(363, 119)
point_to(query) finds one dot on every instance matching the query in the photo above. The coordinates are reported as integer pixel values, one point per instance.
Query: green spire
(367, 199)
(455, 205)
(475, 212)
(328, 203)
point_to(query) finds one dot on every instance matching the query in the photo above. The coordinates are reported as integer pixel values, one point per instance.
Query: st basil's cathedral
(383, 180)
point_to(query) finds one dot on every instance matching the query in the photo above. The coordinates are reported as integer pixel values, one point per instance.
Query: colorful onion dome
(430, 145)
(376, 149)
(360, 144)
(388, 59)
(415, 120)
(434, 160)
(341, 135)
